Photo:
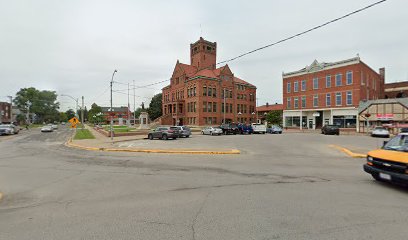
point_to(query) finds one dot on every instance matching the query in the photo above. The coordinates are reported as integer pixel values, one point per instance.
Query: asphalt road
(289, 186)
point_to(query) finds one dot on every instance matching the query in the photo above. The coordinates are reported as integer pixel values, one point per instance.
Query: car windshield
(398, 143)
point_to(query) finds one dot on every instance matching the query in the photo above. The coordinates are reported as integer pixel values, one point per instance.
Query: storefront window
(348, 121)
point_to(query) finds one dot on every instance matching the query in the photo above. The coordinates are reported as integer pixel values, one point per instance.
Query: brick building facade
(5, 112)
(396, 90)
(201, 94)
(329, 93)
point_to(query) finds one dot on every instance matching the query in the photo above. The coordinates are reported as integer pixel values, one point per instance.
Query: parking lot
(288, 186)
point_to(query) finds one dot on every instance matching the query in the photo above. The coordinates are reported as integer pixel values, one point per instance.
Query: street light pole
(76, 103)
(111, 107)
(134, 104)
(224, 107)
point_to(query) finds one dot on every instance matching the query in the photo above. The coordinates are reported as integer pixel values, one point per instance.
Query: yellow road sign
(73, 121)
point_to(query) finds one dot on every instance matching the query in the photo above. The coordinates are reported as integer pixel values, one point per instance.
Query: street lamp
(76, 103)
(111, 108)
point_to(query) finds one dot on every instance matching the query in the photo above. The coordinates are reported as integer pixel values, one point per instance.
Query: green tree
(42, 103)
(274, 117)
(63, 117)
(70, 113)
(95, 114)
(155, 106)
(137, 112)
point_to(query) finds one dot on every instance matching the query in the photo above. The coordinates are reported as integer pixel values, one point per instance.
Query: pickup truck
(229, 129)
(390, 164)
(258, 128)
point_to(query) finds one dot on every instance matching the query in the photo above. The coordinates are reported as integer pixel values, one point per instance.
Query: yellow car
(390, 163)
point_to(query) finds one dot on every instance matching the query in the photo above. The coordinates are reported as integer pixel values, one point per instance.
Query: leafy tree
(155, 106)
(63, 117)
(42, 103)
(21, 118)
(137, 112)
(274, 117)
(70, 113)
(95, 114)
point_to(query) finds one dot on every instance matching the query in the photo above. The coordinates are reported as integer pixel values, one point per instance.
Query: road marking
(348, 152)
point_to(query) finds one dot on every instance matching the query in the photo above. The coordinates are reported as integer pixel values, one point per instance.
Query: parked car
(54, 126)
(164, 133)
(211, 131)
(229, 128)
(380, 132)
(390, 164)
(274, 130)
(259, 128)
(8, 129)
(184, 131)
(245, 129)
(47, 128)
(330, 129)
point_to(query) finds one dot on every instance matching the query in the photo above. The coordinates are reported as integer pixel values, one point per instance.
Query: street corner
(348, 151)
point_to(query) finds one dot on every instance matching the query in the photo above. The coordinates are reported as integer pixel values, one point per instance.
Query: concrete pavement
(289, 186)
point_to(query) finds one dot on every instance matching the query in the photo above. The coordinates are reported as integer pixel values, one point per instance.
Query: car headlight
(369, 159)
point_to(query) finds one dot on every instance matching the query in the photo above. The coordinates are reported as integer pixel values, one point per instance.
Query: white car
(47, 128)
(54, 126)
(380, 132)
(259, 128)
(211, 131)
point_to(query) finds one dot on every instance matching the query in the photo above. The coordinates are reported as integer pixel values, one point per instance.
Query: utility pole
(82, 112)
(128, 109)
(111, 108)
(134, 103)
(224, 107)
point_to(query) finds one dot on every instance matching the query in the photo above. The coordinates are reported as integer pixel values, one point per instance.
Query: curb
(348, 152)
(173, 151)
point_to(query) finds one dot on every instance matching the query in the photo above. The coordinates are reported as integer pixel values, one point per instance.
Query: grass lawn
(118, 129)
(33, 125)
(83, 134)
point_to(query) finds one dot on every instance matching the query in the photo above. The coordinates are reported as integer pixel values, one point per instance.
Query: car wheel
(377, 178)
(150, 136)
(202, 133)
(211, 133)
(164, 137)
(187, 136)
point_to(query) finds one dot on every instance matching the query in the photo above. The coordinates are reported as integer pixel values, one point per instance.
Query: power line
(304, 32)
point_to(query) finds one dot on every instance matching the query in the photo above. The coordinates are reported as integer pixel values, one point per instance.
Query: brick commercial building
(5, 112)
(263, 110)
(329, 93)
(201, 94)
(396, 90)
(120, 115)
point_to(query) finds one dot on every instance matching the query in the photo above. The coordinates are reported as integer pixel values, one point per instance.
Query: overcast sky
(73, 46)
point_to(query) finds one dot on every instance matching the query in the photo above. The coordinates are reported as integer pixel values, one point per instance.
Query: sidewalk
(103, 143)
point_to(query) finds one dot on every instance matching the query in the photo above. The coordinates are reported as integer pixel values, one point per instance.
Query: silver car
(8, 129)
(47, 128)
(380, 132)
(211, 131)
(184, 131)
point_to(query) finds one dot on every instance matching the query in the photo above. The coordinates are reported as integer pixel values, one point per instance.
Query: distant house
(263, 110)
(119, 115)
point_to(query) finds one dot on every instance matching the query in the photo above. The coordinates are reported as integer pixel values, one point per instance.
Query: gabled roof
(366, 104)
(238, 80)
(188, 69)
(206, 73)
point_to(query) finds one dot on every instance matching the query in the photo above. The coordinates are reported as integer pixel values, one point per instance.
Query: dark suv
(164, 133)
(229, 128)
(330, 129)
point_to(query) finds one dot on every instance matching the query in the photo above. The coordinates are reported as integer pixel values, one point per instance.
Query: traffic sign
(73, 121)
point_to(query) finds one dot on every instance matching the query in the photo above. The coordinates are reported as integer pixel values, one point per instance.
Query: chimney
(267, 104)
(382, 83)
